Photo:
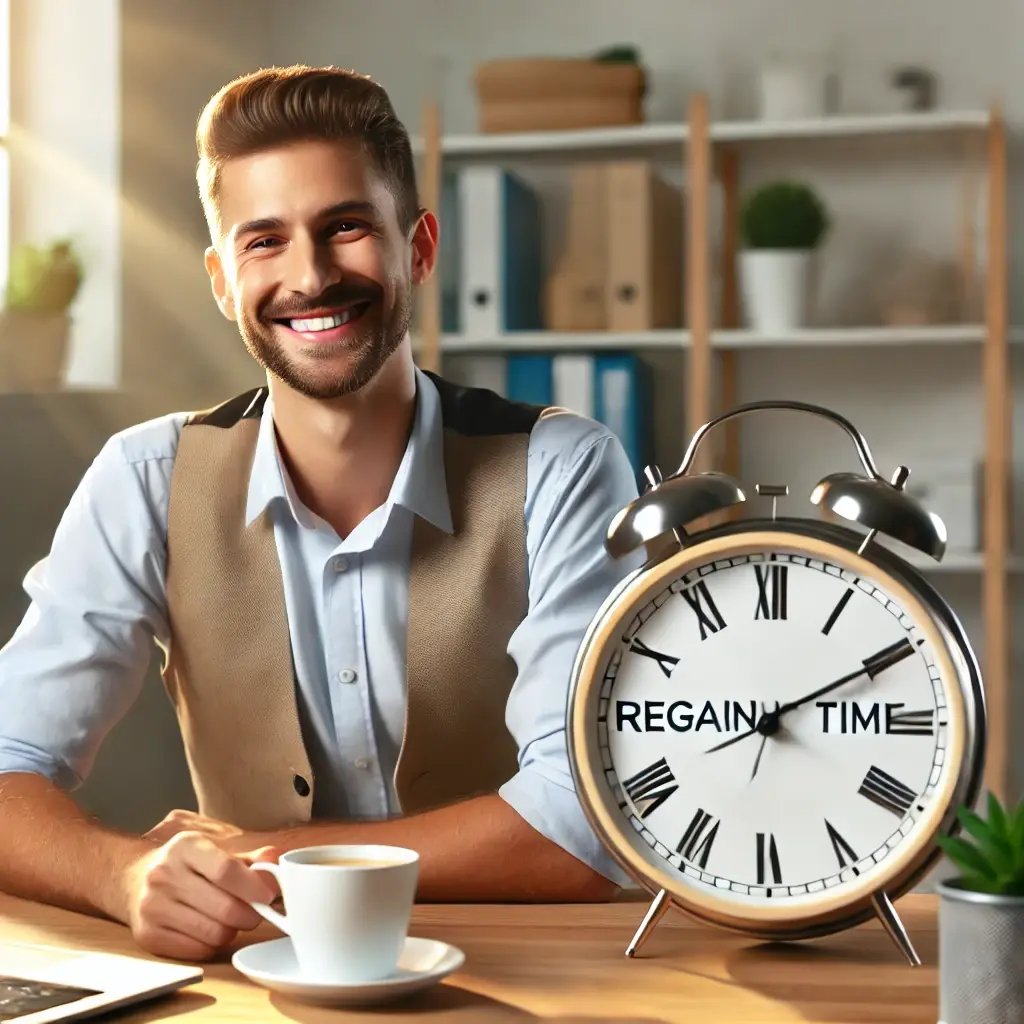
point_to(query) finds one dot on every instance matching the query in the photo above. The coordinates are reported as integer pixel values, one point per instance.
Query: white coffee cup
(347, 921)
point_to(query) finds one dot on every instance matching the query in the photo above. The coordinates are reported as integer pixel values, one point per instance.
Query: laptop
(45, 984)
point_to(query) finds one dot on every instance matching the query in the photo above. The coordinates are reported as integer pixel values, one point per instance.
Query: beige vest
(229, 669)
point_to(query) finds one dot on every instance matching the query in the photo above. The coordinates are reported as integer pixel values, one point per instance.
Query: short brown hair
(275, 106)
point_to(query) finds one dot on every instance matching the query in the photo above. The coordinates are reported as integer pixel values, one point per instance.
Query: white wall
(65, 147)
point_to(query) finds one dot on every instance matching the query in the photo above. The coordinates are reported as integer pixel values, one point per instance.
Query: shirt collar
(419, 485)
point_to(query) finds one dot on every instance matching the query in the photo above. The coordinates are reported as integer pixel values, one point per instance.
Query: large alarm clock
(771, 721)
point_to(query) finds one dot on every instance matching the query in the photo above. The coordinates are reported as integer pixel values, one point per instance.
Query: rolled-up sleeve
(578, 477)
(76, 662)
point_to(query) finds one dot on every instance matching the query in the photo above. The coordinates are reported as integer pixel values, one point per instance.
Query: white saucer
(421, 963)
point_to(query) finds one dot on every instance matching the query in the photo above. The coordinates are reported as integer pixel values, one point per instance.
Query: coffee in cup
(347, 908)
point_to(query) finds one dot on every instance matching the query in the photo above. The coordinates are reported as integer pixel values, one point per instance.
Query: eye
(349, 228)
(262, 243)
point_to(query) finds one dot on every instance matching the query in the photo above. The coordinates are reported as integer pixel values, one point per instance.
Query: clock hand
(877, 663)
(764, 740)
(768, 723)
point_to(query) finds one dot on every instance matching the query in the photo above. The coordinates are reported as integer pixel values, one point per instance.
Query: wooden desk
(566, 964)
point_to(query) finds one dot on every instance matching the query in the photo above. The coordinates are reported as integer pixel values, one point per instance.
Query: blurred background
(708, 203)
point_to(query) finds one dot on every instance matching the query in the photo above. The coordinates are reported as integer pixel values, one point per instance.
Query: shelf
(934, 122)
(964, 562)
(659, 135)
(828, 337)
(672, 338)
(543, 341)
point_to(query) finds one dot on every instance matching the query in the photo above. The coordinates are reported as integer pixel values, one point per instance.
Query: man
(369, 585)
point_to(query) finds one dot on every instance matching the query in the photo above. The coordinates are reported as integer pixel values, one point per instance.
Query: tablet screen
(22, 996)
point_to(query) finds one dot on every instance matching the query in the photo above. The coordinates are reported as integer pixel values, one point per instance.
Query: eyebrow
(349, 206)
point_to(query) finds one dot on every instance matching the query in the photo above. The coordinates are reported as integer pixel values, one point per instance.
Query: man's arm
(477, 850)
(72, 669)
(185, 899)
(51, 851)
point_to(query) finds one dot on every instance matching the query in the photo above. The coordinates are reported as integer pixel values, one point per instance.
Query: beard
(330, 370)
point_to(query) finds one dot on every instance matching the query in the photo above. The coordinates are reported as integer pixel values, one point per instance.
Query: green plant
(994, 862)
(43, 279)
(783, 215)
(622, 53)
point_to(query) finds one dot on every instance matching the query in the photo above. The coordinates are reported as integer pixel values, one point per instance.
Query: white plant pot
(778, 288)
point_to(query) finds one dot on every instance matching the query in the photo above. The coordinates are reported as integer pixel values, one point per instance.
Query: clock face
(777, 726)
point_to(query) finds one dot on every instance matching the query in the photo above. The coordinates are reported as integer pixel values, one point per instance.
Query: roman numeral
(909, 723)
(837, 611)
(770, 852)
(698, 838)
(665, 661)
(772, 581)
(843, 850)
(882, 789)
(709, 618)
(650, 788)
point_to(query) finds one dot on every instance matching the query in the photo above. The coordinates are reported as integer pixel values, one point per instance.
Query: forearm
(51, 851)
(480, 850)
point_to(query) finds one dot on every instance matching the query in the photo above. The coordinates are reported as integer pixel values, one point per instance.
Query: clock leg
(655, 912)
(894, 926)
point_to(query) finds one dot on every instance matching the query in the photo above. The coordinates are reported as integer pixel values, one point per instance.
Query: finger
(198, 925)
(266, 855)
(166, 942)
(214, 903)
(227, 872)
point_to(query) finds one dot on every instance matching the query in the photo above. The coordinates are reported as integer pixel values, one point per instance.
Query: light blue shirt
(77, 661)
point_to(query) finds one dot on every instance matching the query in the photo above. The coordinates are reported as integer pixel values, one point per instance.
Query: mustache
(337, 295)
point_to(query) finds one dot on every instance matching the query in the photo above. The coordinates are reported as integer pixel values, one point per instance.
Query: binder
(530, 379)
(573, 379)
(644, 278)
(448, 256)
(575, 297)
(622, 402)
(500, 252)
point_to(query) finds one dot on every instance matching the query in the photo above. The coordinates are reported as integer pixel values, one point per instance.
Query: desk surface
(566, 964)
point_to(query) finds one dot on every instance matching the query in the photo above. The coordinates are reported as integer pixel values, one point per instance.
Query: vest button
(301, 785)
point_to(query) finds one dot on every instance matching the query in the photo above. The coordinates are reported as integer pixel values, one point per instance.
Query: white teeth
(321, 323)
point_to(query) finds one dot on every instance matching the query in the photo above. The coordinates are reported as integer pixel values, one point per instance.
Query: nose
(310, 267)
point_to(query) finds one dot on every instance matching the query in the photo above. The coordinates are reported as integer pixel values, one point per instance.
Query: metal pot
(981, 957)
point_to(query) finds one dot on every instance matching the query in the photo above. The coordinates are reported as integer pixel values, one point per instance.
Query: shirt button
(362, 762)
(340, 564)
(347, 675)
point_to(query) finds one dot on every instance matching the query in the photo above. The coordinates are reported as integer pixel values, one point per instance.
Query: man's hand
(188, 821)
(188, 898)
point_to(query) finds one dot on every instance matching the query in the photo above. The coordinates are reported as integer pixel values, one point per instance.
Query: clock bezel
(837, 907)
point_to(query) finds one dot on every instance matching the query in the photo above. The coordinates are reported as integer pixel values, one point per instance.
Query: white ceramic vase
(778, 288)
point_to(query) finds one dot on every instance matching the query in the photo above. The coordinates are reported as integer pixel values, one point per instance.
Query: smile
(327, 327)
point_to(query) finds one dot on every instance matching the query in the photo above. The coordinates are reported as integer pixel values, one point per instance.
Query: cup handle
(264, 909)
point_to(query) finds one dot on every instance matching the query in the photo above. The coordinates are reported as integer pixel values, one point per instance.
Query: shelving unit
(707, 150)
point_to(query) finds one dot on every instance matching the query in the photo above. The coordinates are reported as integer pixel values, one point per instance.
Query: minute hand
(885, 658)
(768, 723)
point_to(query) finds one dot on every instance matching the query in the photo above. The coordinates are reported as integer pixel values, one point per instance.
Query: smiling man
(368, 584)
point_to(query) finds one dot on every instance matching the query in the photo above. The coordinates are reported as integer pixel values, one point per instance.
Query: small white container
(778, 288)
(792, 91)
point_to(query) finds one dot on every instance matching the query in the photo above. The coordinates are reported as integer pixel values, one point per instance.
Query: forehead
(292, 183)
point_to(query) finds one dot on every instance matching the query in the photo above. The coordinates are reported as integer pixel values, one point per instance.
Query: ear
(218, 283)
(424, 246)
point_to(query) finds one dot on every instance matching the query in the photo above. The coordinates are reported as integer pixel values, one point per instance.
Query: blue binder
(622, 402)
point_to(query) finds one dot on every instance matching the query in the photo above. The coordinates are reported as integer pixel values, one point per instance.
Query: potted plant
(981, 920)
(42, 283)
(782, 224)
